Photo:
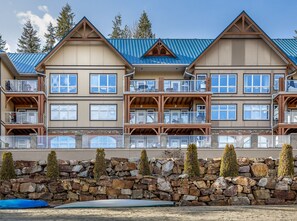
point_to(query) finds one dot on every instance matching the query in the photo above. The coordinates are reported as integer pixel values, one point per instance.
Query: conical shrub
(52, 166)
(229, 165)
(144, 166)
(7, 170)
(191, 166)
(100, 165)
(286, 161)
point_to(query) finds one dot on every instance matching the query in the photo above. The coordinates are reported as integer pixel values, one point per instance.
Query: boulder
(27, 187)
(190, 197)
(285, 194)
(137, 194)
(259, 169)
(200, 184)
(84, 174)
(118, 184)
(220, 183)
(282, 185)
(244, 169)
(244, 181)
(239, 201)
(134, 172)
(164, 185)
(126, 191)
(72, 196)
(77, 168)
(263, 182)
(167, 167)
(243, 161)
(230, 191)
(262, 194)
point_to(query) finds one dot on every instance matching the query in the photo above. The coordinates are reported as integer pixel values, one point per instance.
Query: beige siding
(155, 75)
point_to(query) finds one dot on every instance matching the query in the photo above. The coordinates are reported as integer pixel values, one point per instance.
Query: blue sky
(170, 18)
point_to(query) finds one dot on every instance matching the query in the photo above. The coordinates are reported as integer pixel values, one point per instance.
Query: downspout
(188, 73)
(1, 96)
(47, 106)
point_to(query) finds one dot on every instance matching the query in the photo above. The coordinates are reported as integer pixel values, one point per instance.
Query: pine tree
(2, 44)
(50, 38)
(144, 27)
(29, 41)
(65, 22)
(127, 32)
(117, 32)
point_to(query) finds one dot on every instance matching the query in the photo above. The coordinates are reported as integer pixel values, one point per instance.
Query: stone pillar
(215, 140)
(163, 140)
(127, 141)
(293, 140)
(78, 141)
(33, 142)
(254, 140)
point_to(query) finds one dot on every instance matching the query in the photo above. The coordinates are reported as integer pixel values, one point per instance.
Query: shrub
(144, 166)
(229, 165)
(7, 169)
(52, 166)
(286, 161)
(100, 166)
(191, 166)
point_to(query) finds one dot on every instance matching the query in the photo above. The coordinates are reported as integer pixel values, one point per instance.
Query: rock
(101, 190)
(239, 201)
(183, 176)
(214, 197)
(190, 197)
(243, 161)
(275, 201)
(65, 168)
(42, 162)
(262, 194)
(77, 168)
(137, 194)
(31, 170)
(167, 168)
(18, 172)
(244, 181)
(210, 177)
(118, 184)
(27, 187)
(282, 185)
(220, 183)
(164, 185)
(128, 166)
(271, 183)
(244, 169)
(126, 191)
(231, 191)
(263, 182)
(134, 172)
(294, 185)
(83, 174)
(73, 162)
(259, 169)
(72, 196)
(200, 184)
(285, 194)
(204, 199)
(86, 197)
(43, 196)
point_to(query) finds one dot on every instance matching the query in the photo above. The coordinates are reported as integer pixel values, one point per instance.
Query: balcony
(143, 117)
(21, 117)
(290, 117)
(144, 86)
(198, 117)
(21, 85)
(184, 86)
(292, 86)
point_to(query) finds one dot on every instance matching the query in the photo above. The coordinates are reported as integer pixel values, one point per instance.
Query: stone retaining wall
(257, 183)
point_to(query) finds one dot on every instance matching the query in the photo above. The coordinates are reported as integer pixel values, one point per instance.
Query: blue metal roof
(25, 62)
(186, 50)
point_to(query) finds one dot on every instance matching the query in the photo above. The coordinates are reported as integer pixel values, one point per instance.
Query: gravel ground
(161, 213)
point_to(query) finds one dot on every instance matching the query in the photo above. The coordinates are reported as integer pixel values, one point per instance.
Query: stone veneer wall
(257, 183)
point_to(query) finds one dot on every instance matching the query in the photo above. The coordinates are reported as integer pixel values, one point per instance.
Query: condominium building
(240, 83)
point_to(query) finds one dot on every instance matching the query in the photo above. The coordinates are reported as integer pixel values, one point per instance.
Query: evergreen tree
(50, 38)
(127, 32)
(144, 27)
(65, 22)
(2, 44)
(116, 29)
(29, 42)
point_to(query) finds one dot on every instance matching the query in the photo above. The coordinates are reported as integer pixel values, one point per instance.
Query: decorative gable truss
(85, 32)
(159, 49)
(243, 26)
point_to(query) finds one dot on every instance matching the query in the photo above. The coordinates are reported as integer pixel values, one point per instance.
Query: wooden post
(161, 84)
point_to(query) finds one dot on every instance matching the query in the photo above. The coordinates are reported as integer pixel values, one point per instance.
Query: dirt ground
(161, 213)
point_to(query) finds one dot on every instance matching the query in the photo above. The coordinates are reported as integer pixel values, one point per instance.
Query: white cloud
(40, 23)
(8, 47)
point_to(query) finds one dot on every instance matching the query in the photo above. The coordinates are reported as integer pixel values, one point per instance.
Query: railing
(143, 117)
(143, 86)
(21, 117)
(185, 117)
(184, 85)
(290, 117)
(21, 85)
(145, 141)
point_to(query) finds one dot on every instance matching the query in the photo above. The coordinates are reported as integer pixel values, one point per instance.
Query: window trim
(90, 86)
(50, 83)
(269, 112)
(236, 86)
(236, 112)
(90, 111)
(64, 105)
(269, 86)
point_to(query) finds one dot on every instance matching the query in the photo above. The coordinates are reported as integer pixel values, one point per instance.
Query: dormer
(159, 49)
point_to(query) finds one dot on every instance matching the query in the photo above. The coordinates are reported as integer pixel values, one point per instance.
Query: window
(236, 141)
(256, 112)
(64, 112)
(103, 83)
(64, 83)
(223, 83)
(103, 142)
(223, 112)
(62, 142)
(276, 81)
(256, 83)
(103, 112)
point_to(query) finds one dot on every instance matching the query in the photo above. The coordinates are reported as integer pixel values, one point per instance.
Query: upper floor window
(223, 83)
(103, 83)
(255, 112)
(64, 83)
(63, 112)
(276, 81)
(223, 112)
(256, 83)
